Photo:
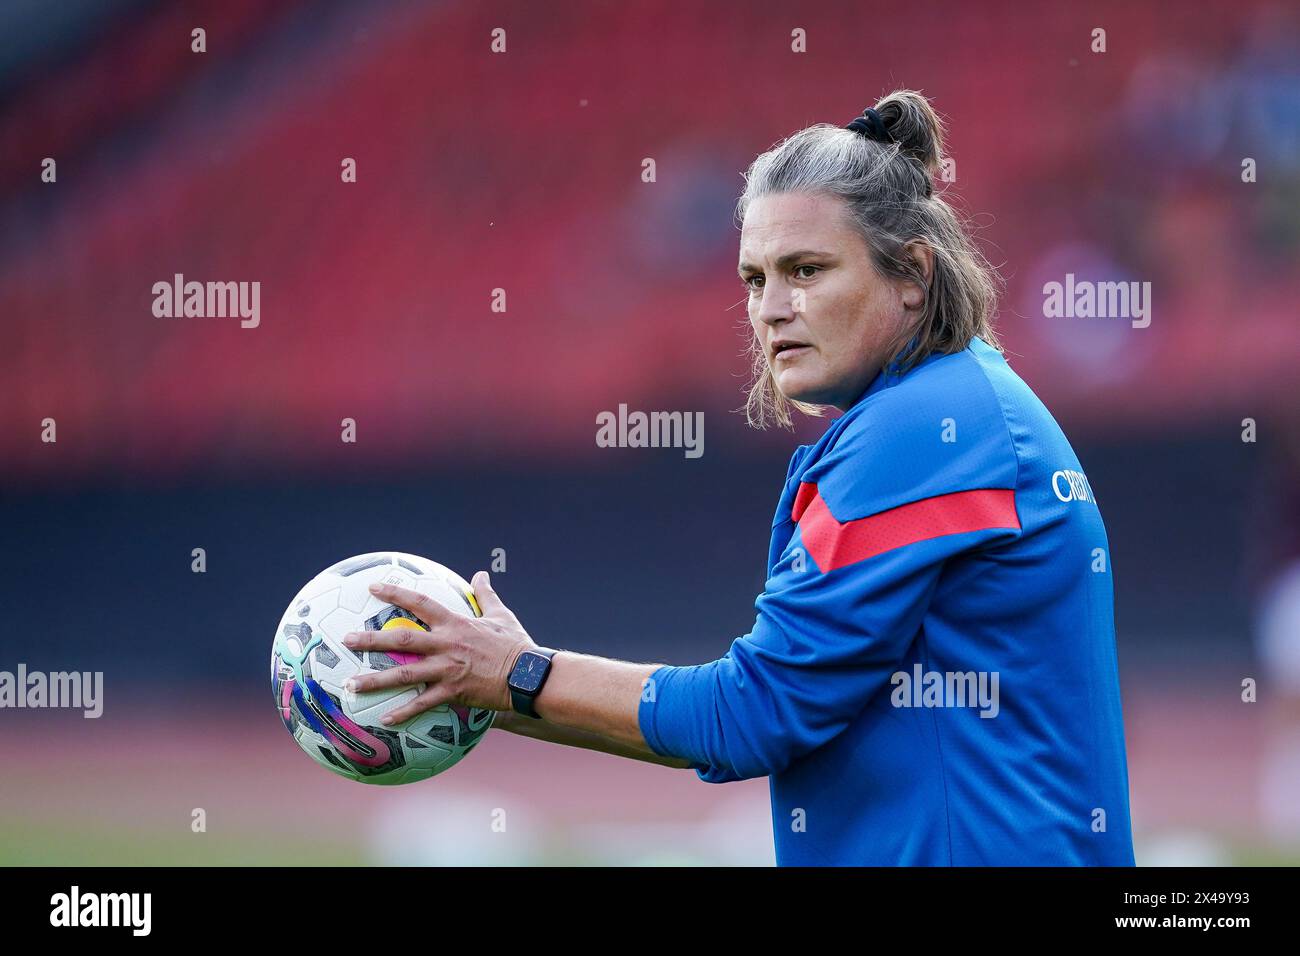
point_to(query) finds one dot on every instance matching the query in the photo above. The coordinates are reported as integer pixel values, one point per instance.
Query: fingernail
(376, 587)
(350, 639)
(350, 685)
(386, 719)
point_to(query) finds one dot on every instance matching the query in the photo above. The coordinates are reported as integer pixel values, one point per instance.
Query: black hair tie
(870, 125)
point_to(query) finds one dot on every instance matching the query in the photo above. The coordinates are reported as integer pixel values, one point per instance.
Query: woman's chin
(795, 390)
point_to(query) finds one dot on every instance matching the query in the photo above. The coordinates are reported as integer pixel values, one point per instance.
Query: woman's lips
(791, 352)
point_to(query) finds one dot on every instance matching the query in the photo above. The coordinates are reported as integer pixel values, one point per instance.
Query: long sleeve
(870, 525)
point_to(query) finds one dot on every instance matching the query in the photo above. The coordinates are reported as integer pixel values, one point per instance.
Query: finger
(404, 675)
(488, 601)
(435, 696)
(421, 605)
(407, 640)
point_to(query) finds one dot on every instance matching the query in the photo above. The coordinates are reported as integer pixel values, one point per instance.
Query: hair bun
(913, 124)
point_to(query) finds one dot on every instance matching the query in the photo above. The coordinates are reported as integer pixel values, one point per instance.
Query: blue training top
(931, 678)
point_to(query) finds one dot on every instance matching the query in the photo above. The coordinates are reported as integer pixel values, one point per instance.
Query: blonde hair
(888, 189)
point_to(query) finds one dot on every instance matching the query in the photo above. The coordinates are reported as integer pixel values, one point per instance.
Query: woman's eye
(815, 269)
(748, 282)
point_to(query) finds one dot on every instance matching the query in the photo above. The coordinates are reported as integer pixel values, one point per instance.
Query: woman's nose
(777, 304)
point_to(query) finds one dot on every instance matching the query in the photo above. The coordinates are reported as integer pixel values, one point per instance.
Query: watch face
(528, 672)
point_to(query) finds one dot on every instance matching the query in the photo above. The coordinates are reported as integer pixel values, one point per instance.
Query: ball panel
(339, 622)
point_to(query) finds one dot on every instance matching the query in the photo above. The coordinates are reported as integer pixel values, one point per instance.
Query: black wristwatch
(531, 669)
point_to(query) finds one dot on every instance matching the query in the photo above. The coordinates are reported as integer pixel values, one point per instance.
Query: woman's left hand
(466, 660)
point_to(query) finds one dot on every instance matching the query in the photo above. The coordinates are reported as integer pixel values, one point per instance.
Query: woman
(931, 677)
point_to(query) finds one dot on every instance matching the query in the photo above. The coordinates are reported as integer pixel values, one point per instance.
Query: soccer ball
(339, 729)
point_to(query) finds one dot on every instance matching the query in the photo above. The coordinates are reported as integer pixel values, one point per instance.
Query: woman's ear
(923, 255)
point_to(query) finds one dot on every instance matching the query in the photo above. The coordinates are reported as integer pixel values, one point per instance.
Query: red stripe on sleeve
(834, 544)
(802, 498)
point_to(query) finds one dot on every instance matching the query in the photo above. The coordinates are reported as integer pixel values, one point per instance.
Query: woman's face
(819, 309)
